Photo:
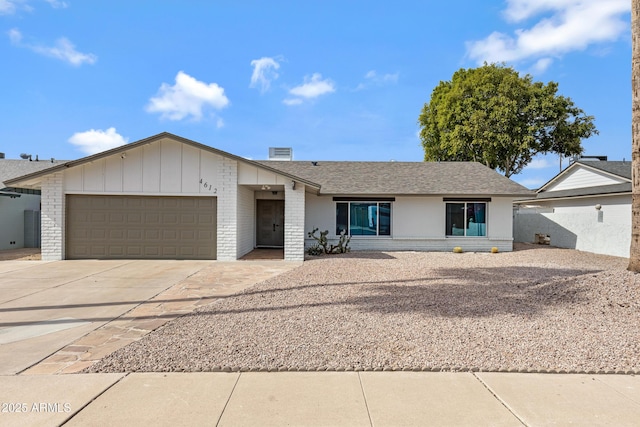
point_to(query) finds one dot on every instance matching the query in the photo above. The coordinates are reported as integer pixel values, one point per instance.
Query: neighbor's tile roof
(13, 168)
(620, 168)
(402, 178)
(622, 188)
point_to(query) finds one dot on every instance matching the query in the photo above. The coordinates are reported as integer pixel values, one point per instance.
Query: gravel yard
(537, 309)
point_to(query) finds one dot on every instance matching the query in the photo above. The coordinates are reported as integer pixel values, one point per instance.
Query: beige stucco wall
(418, 223)
(576, 224)
(12, 218)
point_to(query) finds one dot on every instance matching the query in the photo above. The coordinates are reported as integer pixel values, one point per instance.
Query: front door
(270, 223)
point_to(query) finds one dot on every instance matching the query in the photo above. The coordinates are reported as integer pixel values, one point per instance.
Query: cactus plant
(342, 246)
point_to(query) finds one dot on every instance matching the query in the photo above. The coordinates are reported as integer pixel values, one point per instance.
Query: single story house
(587, 207)
(19, 207)
(170, 197)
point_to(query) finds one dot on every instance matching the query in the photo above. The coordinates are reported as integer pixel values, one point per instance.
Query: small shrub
(494, 250)
(315, 250)
(457, 250)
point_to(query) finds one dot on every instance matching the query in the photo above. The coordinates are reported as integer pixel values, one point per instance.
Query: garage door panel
(152, 218)
(151, 203)
(141, 227)
(116, 251)
(134, 251)
(116, 234)
(134, 235)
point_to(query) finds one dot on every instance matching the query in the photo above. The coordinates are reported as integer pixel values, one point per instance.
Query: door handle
(274, 227)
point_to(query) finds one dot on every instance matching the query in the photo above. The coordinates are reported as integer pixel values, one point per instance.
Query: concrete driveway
(46, 307)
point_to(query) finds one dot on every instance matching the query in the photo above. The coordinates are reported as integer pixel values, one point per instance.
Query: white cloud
(95, 140)
(188, 97)
(567, 25)
(541, 65)
(7, 7)
(63, 49)
(56, 4)
(532, 183)
(14, 35)
(264, 71)
(539, 163)
(312, 87)
(373, 76)
(66, 51)
(292, 101)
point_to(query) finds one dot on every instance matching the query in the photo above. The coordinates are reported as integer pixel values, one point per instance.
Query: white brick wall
(468, 244)
(227, 210)
(294, 222)
(52, 221)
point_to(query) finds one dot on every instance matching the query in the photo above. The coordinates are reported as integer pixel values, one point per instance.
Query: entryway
(270, 223)
(264, 254)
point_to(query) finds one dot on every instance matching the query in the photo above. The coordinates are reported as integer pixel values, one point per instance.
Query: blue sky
(334, 80)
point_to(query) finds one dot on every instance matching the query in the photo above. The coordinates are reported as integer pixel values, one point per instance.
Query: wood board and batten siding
(153, 201)
(164, 168)
(583, 178)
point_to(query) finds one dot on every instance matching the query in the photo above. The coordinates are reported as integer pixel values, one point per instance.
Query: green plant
(315, 249)
(340, 248)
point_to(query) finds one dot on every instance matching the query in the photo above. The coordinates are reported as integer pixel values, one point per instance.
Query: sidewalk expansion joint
(228, 399)
(364, 396)
(70, 417)
(502, 402)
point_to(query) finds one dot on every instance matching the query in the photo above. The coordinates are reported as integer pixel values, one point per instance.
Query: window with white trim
(363, 218)
(466, 219)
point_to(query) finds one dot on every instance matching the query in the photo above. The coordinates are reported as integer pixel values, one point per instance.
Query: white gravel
(535, 309)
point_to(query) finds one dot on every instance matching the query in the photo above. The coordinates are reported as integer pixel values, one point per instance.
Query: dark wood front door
(270, 223)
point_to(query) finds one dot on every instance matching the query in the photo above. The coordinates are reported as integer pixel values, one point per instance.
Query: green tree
(492, 115)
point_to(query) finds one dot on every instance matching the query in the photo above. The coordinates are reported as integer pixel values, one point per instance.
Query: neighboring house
(169, 197)
(587, 206)
(20, 208)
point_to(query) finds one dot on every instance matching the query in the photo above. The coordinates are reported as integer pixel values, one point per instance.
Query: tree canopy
(492, 115)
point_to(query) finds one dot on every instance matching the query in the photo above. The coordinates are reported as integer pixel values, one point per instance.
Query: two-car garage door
(137, 227)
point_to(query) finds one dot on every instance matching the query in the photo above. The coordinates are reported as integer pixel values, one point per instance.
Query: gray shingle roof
(402, 178)
(625, 187)
(13, 168)
(620, 168)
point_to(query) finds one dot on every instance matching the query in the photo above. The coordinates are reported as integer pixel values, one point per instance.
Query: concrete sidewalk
(320, 399)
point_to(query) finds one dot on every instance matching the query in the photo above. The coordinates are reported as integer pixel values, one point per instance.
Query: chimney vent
(1, 155)
(280, 153)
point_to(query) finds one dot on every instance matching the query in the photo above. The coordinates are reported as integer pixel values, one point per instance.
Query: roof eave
(145, 141)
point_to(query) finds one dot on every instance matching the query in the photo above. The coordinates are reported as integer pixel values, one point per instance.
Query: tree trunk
(634, 255)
